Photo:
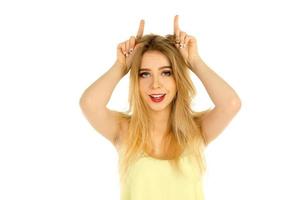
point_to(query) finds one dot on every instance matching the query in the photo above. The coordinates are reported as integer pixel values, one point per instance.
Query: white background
(51, 51)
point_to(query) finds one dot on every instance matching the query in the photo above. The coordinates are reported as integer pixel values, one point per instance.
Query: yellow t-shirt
(150, 178)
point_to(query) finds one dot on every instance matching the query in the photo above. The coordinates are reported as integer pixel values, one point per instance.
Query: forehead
(154, 59)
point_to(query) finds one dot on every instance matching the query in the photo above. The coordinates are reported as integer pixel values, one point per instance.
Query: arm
(99, 93)
(227, 102)
(222, 95)
(94, 100)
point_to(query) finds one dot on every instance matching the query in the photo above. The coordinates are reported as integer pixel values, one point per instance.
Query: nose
(156, 82)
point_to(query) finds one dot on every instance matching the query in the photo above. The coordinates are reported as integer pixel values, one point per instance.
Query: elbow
(232, 105)
(236, 104)
(83, 101)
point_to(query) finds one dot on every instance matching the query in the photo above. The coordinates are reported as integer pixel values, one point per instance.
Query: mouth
(157, 97)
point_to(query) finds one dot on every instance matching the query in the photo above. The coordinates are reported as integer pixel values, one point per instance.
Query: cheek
(143, 86)
(172, 85)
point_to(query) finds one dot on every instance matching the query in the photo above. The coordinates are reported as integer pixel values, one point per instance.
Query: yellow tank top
(150, 178)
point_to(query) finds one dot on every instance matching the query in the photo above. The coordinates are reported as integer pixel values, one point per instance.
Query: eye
(164, 73)
(168, 73)
(143, 74)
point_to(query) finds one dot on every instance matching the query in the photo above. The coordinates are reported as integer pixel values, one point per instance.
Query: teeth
(157, 95)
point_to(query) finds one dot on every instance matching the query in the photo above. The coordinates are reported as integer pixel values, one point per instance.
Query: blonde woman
(160, 139)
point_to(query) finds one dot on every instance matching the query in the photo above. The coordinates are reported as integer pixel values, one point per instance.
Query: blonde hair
(185, 132)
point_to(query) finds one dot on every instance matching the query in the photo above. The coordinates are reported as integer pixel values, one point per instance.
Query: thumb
(137, 46)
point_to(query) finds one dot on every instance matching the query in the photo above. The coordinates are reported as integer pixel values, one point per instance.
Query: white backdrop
(51, 51)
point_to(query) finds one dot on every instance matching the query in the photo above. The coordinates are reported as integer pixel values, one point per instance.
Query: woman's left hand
(187, 44)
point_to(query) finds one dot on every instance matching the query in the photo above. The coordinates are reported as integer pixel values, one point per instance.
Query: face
(157, 83)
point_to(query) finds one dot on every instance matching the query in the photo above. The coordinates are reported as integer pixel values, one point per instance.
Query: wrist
(196, 62)
(120, 68)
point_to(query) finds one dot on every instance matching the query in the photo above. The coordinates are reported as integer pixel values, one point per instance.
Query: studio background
(51, 51)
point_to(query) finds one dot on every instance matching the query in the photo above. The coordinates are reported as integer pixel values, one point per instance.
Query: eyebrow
(160, 68)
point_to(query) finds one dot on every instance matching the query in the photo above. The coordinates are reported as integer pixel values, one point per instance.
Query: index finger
(141, 29)
(176, 27)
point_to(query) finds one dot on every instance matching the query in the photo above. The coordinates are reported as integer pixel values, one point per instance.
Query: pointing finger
(131, 44)
(141, 29)
(176, 27)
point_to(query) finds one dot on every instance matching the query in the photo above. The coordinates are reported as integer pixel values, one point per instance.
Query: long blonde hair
(185, 132)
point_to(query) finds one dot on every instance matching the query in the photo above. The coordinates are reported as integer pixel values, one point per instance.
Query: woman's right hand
(126, 49)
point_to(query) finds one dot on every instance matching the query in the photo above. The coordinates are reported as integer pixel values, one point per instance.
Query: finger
(131, 44)
(182, 38)
(192, 40)
(187, 40)
(176, 28)
(127, 47)
(137, 46)
(119, 48)
(123, 48)
(141, 29)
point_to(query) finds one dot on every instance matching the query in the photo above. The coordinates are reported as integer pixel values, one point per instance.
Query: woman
(160, 140)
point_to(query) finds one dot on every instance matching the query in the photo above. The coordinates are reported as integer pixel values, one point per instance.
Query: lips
(157, 97)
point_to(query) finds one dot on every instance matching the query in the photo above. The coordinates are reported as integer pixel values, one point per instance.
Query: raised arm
(226, 100)
(95, 98)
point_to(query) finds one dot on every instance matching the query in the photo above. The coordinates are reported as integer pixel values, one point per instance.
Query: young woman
(160, 139)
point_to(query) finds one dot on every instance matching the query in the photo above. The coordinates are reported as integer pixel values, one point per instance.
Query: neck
(160, 123)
